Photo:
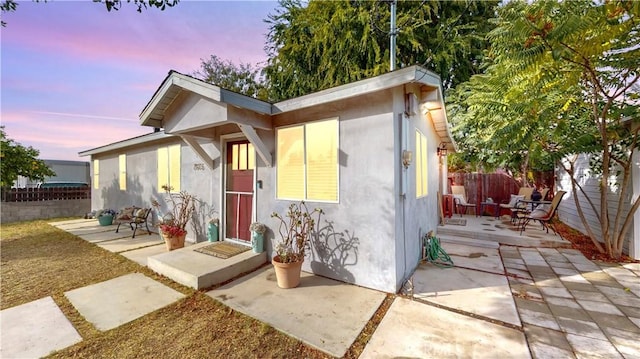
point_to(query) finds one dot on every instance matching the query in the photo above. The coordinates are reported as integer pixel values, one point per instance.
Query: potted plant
(257, 236)
(173, 224)
(295, 230)
(105, 216)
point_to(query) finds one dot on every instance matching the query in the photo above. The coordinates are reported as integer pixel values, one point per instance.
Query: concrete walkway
(497, 301)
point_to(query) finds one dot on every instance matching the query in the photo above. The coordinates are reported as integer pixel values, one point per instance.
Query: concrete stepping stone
(468, 290)
(411, 329)
(474, 257)
(126, 244)
(35, 329)
(322, 312)
(112, 303)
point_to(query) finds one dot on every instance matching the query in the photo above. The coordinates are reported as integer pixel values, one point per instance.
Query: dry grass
(39, 260)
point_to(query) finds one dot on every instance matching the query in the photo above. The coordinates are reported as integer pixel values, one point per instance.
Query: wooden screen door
(239, 190)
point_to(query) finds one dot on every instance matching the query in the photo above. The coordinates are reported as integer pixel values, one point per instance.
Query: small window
(96, 174)
(243, 156)
(421, 164)
(307, 161)
(169, 167)
(122, 164)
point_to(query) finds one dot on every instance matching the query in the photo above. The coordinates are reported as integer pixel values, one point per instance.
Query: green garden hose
(434, 252)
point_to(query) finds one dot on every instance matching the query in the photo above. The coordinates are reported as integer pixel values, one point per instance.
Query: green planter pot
(105, 220)
(257, 242)
(212, 232)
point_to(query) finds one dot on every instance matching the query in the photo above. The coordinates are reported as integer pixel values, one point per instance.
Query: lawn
(39, 260)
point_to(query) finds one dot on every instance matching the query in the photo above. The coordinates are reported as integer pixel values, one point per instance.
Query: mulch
(584, 244)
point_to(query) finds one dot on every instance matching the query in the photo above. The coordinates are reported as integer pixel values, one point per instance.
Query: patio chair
(523, 193)
(135, 217)
(460, 200)
(543, 214)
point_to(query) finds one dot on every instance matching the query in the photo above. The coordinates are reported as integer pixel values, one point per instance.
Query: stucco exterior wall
(357, 235)
(142, 182)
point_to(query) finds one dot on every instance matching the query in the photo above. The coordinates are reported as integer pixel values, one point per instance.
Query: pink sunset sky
(75, 76)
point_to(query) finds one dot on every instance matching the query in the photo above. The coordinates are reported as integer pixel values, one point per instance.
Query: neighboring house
(66, 171)
(366, 153)
(568, 213)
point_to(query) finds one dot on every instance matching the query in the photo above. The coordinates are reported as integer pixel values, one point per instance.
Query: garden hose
(434, 252)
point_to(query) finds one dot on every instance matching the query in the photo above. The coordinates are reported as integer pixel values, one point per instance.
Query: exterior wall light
(442, 150)
(406, 158)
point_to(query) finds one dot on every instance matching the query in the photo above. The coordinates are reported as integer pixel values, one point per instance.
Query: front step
(198, 270)
(486, 234)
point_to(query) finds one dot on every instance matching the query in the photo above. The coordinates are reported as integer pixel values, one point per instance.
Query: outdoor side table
(486, 205)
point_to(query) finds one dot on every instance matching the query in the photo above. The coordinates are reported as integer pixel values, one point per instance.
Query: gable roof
(175, 82)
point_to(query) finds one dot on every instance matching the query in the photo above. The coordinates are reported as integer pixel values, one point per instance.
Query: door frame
(224, 139)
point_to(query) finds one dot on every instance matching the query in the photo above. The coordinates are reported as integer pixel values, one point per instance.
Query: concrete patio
(505, 297)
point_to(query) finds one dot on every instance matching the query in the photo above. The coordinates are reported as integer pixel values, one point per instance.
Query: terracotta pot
(174, 242)
(287, 274)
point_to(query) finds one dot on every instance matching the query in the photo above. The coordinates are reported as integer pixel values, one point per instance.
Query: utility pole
(393, 32)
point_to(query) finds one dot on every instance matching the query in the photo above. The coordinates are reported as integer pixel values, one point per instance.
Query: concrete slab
(97, 237)
(502, 231)
(80, 229)
(35, 329)
(415, 330)
(198, 270)
(474, 257)
(468, 290)
(324, 313)
(127, 244)
(72, 222)
(468, 241)
(626, 342)
(586, 347)
(140, 255)
(112, 303)
(547, 344)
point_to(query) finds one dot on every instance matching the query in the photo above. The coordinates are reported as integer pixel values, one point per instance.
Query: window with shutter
(307, 161)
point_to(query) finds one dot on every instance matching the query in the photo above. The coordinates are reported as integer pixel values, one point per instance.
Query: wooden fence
(498, 186)
(44, 194)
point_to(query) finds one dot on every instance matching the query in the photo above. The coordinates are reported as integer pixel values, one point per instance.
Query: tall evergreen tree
(330, 43)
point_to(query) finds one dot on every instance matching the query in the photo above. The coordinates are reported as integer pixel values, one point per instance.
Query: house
(66, 172)
(365, 152)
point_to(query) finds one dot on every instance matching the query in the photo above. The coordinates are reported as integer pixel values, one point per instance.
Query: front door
(239, 189)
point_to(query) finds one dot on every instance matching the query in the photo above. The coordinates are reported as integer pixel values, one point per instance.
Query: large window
(169, 167)
(96, 174)
(122, 166)
(307, 161)
(421, 164)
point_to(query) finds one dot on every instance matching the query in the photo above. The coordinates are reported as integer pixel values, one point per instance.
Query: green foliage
(17, 160)
(561, 79)
(140, 4)
(244, 78)
(330, 43)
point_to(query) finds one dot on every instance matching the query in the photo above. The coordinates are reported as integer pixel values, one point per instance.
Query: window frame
(169, 153)
(304, 164)
(96, 173)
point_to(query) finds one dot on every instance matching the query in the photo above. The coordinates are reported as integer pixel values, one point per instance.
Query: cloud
(84, 116)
